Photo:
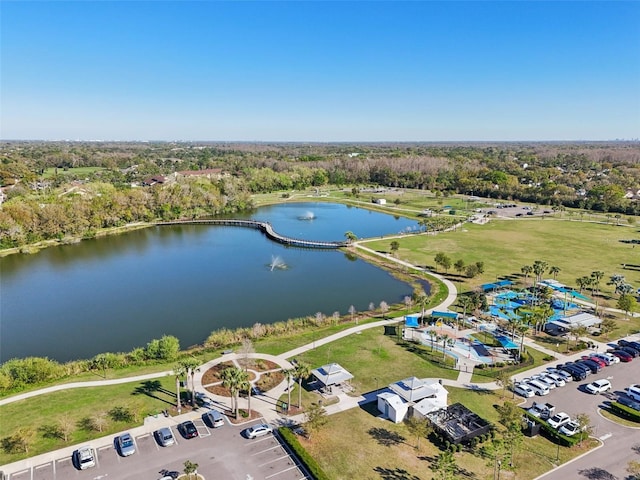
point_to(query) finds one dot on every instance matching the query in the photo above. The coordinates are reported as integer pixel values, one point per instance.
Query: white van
(538, 387)
(634, 392)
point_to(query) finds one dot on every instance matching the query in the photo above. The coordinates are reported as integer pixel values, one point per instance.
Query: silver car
(165, 437)
(85, 458)
(125, 445)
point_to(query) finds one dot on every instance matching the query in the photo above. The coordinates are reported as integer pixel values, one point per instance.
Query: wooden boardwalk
(264, 227)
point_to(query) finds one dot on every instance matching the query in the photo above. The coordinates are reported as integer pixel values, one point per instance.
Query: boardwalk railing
(264, 227)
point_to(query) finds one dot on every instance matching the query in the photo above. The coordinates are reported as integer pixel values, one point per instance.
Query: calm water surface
(116, 293)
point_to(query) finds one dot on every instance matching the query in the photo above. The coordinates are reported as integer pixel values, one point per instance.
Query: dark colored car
(125, 445)
(599, 361)
(629, 402)
(626, 343)
(576, 373)
(591, 365)
(579, 366)
(188, 429)
(631, 351)
(622, 355)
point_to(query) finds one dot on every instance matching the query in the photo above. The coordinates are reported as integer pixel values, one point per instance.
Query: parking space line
(43, 465)
(265, 450)
(274, 460)
(258, 440)
(281, 471)
(22, 471)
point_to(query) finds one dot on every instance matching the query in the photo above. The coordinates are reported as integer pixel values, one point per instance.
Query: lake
(118, 292)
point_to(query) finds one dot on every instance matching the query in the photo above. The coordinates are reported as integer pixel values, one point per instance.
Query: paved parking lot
(611, 459)
(219, 453)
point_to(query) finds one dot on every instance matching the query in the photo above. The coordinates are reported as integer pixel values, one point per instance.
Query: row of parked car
(84, 457)
(558, 376)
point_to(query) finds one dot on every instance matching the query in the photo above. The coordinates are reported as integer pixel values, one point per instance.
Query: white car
(559, 380)
(524, 390)
(539, 388)
(558, 420)
(545, 380)
(85, 458)
(598, 386)
(570, 428)
(259, 430)
(612, 358)
(566, 376)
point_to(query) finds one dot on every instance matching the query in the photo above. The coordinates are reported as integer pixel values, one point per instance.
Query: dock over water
(264, 227)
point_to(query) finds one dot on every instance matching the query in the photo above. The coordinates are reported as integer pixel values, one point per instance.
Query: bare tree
(384, 308)
(352, 311)
(66, 426)
(247, 351)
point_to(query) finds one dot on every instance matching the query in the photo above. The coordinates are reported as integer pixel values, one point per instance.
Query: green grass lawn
(506, 245)
(375, 360)
(358, 444)
(41, 414)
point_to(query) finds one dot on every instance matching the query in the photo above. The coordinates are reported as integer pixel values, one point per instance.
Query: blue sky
(320, 71)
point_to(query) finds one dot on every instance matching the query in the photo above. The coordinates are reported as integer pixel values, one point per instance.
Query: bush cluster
(18, 373)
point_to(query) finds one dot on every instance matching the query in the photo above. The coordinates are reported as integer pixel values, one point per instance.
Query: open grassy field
(42, 415)
(577, 248)
(358, 444)
(374, 359)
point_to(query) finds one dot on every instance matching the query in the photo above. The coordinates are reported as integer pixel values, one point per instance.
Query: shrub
(625, 412)
(307, 460)
(554, 435)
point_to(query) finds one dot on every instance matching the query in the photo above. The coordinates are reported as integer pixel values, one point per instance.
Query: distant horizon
(316, 142)
(317, 71)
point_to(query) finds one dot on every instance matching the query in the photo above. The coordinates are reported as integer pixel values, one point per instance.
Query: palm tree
(522, 329)
(178, 371)
(302, 372)
(526, 270)
(583, 282)
(289, 374)
(246, 385)
(190, 366)
(596, 277)
(233, 378)
(422, 299)
(554, 271)
(434, 337)
(350, 236)
(466, 303)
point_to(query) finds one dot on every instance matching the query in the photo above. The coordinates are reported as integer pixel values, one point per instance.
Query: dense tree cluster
(80, 211)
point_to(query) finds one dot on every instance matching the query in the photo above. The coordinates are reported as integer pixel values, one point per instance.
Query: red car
(599, 361)
(622, 355)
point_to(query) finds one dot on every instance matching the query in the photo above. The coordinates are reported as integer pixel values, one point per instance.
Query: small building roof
(427, 405)
(392, 399)
(413, 389)
(578, 320)
(411, 320)
(331, 374)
